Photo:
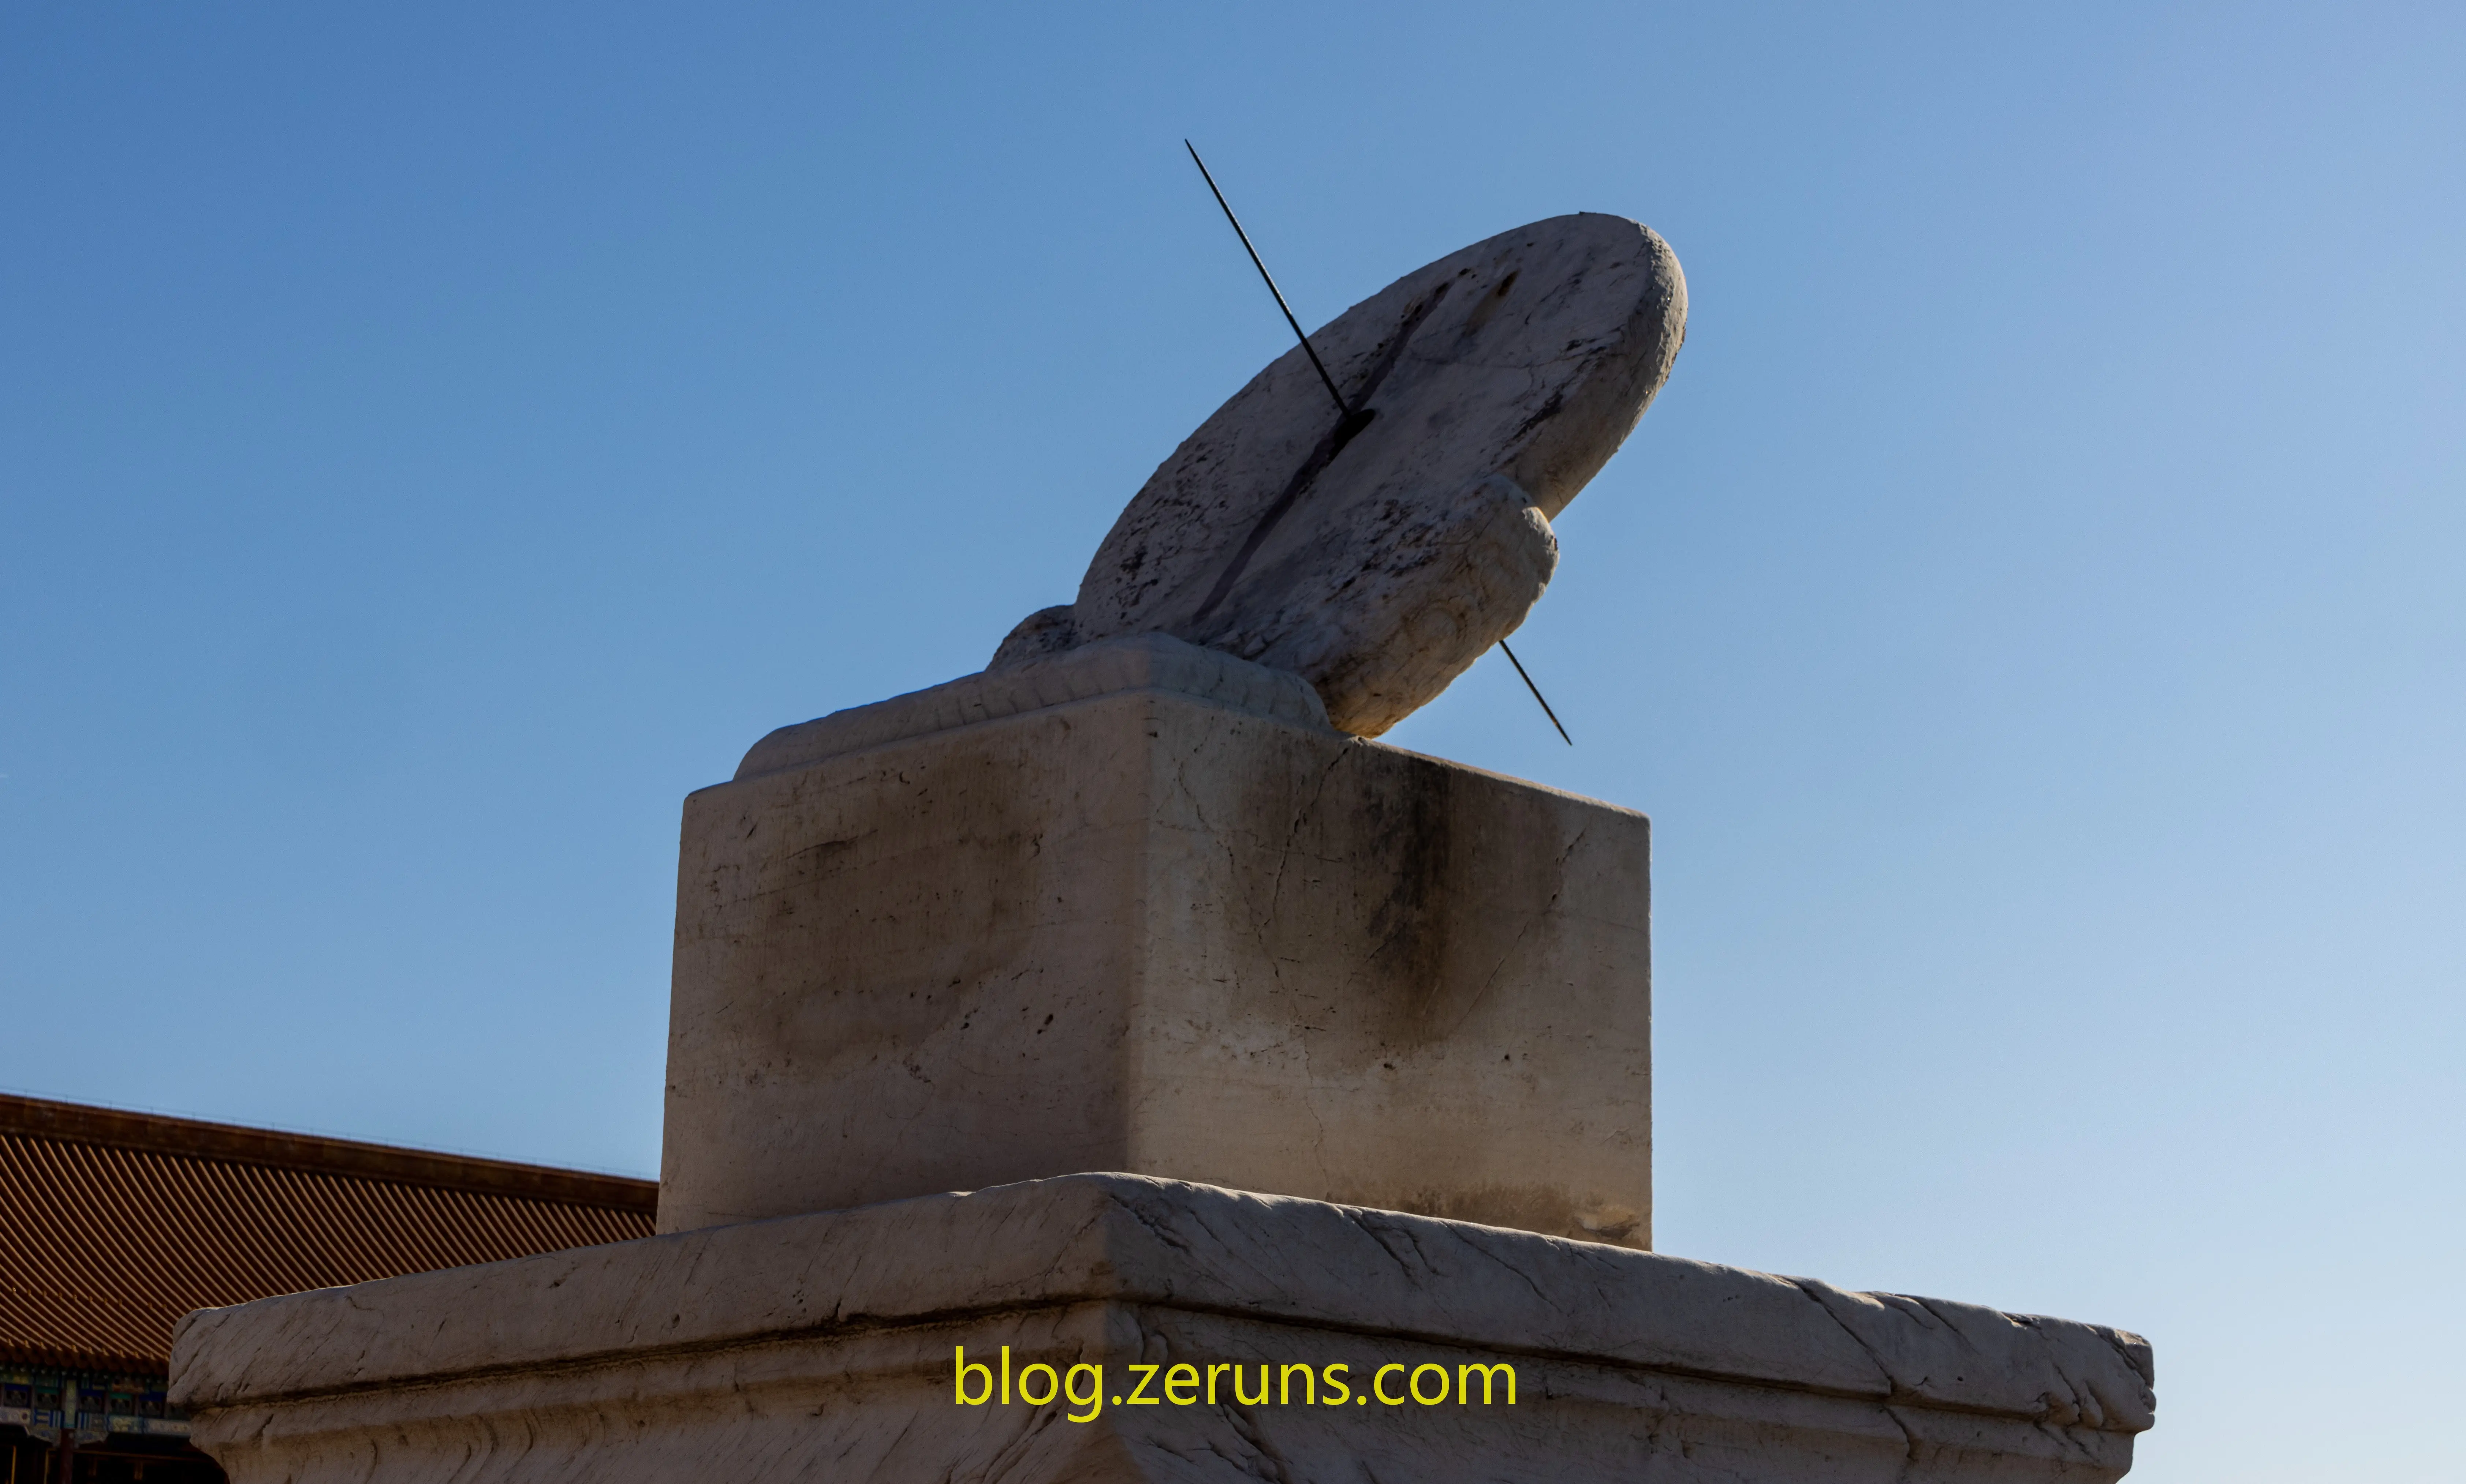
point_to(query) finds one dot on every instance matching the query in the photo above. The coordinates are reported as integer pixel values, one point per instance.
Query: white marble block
(1140, 907)
(826, 1347)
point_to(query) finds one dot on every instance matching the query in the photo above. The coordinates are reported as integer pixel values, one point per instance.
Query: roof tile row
(103, 1247)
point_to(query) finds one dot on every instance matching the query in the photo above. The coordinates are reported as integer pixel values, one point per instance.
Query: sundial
(1378, 548)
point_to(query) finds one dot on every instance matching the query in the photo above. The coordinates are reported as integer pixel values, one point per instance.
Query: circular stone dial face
(1378, 554)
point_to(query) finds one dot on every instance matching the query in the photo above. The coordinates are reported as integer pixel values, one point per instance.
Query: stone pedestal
(826, 1347)
(1140, 909)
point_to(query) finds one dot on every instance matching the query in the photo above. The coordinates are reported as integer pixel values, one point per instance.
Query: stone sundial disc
(1379, 555)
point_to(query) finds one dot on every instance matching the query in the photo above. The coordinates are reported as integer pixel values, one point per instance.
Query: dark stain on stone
(866, 934)
(1547, 411)
(1415, 827)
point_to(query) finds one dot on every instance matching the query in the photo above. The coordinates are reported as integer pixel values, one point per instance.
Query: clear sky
(434, 439)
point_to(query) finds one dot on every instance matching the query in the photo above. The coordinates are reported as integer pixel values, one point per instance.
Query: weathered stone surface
(1378, 555)
(822, 1345)
(1140, 662)
(1040, 635)
(1136, 908)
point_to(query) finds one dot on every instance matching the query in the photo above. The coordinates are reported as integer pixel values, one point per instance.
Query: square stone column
(1139, 908)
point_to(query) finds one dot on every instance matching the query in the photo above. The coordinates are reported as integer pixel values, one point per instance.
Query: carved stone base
(824, 1347)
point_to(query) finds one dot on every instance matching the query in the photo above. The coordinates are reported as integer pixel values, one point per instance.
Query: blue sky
(433, 441)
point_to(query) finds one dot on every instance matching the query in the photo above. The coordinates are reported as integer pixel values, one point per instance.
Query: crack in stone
(1360, 1219)
(1521, 1276)
(1293, 830)
(1249, 1432)
(1890, 1381)
(1535, 920)
(1165, 1235)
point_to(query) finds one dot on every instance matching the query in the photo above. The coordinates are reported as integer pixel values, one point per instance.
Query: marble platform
(824, 1347)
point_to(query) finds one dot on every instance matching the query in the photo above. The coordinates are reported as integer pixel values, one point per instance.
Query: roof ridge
(78, 1123)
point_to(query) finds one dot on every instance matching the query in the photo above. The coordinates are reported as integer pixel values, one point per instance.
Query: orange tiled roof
(114, 1225)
